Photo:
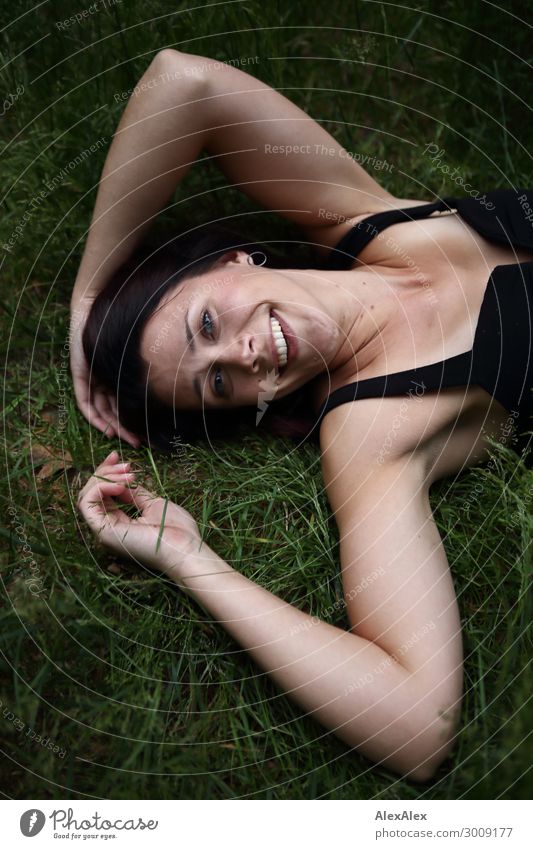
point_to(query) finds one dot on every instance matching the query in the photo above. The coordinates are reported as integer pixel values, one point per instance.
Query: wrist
(188, 571)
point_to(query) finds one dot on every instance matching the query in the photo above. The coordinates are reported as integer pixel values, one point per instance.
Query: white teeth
(279, 341)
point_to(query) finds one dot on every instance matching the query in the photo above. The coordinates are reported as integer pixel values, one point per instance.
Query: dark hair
(112, 339)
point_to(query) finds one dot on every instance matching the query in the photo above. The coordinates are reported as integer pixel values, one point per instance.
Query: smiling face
(219, 338)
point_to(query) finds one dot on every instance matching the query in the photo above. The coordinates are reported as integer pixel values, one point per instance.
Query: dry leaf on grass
(50, 462)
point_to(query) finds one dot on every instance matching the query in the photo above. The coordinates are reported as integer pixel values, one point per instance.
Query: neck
(358, 301)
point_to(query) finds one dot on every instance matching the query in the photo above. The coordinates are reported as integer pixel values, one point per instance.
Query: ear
(233, 256)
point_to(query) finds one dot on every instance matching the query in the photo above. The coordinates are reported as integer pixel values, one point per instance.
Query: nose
(243, 354)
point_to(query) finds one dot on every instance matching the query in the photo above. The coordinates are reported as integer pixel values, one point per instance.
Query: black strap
(343, 254)
(415, 382)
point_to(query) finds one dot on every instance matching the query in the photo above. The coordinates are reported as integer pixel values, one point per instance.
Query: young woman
(411, 333)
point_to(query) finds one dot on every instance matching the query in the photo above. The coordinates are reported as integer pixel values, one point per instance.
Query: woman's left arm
(312, 661)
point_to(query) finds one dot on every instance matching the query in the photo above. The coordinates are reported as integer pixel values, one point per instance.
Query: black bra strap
(455, 371)
(342, 256)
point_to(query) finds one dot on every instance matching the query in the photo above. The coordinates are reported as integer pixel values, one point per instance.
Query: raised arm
(376, 696)
(263, 143)
(185, 104)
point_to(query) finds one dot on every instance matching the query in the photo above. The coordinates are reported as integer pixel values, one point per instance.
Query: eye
(208, 326)
(219, 387)
(207, 323)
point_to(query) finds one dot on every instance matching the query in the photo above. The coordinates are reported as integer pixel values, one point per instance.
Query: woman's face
(222, 338)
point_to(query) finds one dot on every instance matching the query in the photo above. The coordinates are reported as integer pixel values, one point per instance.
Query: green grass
(144, 694)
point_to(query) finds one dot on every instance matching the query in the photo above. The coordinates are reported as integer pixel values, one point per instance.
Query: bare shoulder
(370, 439)
(371, 430)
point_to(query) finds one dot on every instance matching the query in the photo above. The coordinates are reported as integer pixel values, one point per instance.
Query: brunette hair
(112, 339)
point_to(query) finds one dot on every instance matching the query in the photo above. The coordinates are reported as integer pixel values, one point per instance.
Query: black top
(500, 360)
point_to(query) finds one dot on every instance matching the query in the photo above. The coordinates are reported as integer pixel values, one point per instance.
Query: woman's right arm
(159, 136)
(263, 143)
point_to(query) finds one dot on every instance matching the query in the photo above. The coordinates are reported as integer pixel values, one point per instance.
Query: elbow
(422, 774)
(423, 763)
(174, 65)
(424, 744)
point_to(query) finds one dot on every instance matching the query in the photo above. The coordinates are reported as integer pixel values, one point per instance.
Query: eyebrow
(190, 340)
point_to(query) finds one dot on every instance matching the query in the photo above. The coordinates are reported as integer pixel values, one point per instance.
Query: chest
(438, 269)
(435, 272)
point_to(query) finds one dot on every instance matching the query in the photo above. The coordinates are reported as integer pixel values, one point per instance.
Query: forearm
(187, 103)
(160, 135)
(346, 682)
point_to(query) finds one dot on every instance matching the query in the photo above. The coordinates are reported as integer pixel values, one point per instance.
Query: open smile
(280, 343)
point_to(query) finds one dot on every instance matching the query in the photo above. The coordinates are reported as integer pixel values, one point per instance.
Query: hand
(97, 404)
(163, 543)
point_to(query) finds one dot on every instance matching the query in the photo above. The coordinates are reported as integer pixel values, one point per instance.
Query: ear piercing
(252, 261)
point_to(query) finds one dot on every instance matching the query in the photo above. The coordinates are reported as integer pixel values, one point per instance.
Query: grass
(142, 694)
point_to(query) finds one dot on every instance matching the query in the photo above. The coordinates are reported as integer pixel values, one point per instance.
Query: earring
(253, 262)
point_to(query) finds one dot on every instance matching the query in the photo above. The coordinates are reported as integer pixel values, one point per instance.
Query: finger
(113, 464)
(112, 457)
(125, 478)
(109, 431)
(91, 415)
(107, 407)
(113, 405)
(83, 393)
(127, 436)
(142, 499)
(103, 409)
(97, 502)
(94, 419)
(113, 469)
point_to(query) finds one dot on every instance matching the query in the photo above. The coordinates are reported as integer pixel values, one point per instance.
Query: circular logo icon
(32, 822)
